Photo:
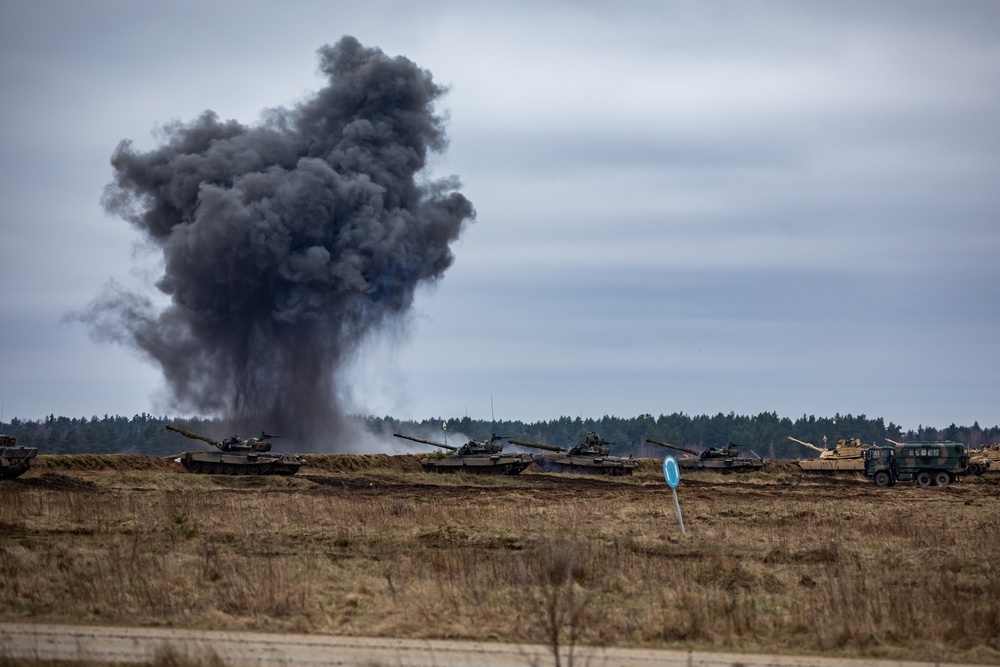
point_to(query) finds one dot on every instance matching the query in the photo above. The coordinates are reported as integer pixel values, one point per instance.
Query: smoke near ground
(285, 244)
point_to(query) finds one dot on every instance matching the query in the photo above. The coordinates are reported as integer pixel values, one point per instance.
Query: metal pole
(678, 506)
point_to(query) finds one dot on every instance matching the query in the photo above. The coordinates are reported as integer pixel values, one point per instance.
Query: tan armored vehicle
(847, 456)
(719, 459)
(984, 459)
(590, 458)
(238, 456)
(14, 460)
(474, 457)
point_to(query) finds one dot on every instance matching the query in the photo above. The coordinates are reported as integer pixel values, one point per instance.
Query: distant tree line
(765, 434)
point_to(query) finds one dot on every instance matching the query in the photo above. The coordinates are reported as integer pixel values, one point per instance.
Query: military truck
(926, 463)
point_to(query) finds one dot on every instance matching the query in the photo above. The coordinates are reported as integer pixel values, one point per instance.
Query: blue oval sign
(671, 472)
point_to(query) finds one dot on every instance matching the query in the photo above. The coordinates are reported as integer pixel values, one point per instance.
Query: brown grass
(772, 562)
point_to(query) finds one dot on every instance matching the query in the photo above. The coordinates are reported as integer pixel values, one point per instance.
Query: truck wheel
(942, 479)
(924, 479)
(882, 478)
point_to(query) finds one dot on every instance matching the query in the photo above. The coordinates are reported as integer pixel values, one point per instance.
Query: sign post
(672, 473)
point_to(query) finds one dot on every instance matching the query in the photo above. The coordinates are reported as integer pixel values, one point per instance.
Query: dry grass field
(369, 545)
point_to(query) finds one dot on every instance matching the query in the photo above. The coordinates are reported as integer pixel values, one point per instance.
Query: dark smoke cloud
(285, 244)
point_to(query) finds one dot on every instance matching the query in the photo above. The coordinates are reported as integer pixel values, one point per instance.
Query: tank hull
(723, 465)
(831, 465)
(15, 460)
(478, 465)
(221, 463)
(587, 465)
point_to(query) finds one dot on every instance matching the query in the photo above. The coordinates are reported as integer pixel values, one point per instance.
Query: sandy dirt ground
(97, 644)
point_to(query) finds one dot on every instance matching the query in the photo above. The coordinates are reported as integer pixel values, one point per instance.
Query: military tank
(590, 458)
(846, 456)
(14, 459)
(984, 459)
(238, 456)
(474, 457)
(719, 459)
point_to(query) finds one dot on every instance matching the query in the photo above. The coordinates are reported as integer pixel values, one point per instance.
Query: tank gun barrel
(663, 444)
(535, 445)
(189, 434)
(893, 442)
(806, 444)
(425, 442)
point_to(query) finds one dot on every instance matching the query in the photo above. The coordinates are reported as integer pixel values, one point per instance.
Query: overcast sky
(694, 207)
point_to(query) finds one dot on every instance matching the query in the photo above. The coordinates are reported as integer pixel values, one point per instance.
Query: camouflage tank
(14, 460)
(847, 456)
(719, 459)
(474, 457)
(590, 458)
(238, 456)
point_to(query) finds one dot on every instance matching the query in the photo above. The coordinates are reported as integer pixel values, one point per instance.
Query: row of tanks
(253, 456)
(592, 457)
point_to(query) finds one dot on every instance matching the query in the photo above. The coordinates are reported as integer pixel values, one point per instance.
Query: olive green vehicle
(474, 457)
(846, 456)
(592, 457)
(719, 459)
(926, 463)
(14, 459)
(238, 456)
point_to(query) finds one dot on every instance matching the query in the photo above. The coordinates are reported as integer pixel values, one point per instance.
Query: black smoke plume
(286, 243)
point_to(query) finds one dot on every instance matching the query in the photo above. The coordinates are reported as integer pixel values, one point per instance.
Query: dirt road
(239, 649)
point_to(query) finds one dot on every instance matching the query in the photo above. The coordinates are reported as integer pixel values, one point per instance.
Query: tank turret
(232, 444)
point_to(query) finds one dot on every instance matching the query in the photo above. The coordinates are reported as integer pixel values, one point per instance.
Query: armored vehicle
(590, 458)
(238, 456)
(719, 459)
(984, 459)
(926, 463)
(14, 460)
(475, 457)
(847, 456)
